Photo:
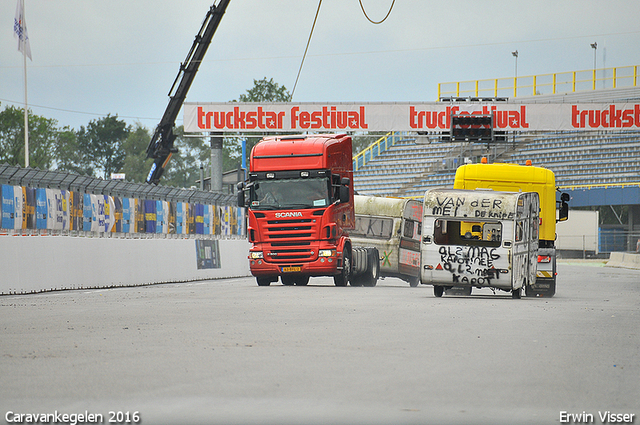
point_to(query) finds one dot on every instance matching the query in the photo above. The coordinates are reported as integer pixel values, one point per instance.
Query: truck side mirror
(564, 207)
(240, 187)
(344, 190)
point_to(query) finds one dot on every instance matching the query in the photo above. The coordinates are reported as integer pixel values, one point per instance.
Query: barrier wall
(625, 260)
(70, 237)
(44, 263)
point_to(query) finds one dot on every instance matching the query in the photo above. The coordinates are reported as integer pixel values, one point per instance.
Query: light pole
(594, 45)
(515, 78)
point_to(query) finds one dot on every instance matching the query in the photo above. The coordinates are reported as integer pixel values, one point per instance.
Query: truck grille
(297, 247)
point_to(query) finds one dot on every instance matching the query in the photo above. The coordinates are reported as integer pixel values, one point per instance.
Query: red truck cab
(300, 208)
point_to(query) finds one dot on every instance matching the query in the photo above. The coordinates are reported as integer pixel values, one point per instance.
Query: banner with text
(434, 116)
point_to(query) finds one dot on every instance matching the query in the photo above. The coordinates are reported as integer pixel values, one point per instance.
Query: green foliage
(184, 167)
(266, 91)
(102, 141)
(262, 91)
(43, 136)
(136, 164)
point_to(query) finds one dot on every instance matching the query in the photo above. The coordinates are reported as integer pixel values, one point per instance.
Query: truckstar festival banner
(434, 116)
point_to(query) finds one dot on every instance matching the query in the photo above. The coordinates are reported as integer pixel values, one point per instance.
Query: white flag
(20, 30)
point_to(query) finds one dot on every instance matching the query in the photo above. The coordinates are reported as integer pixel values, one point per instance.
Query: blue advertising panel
(8, 208)
(150, 216)
(41, 208)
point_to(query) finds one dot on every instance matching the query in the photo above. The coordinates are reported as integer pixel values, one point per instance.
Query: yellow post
(614, 77)
(495, 90)
(574, 81)
(476, 88)
(515, 86)
(554, 83)
(534, 84)
(594, 80)
(439, 92)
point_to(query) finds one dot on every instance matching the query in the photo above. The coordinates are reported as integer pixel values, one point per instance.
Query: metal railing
(535, 85)
(375, 149)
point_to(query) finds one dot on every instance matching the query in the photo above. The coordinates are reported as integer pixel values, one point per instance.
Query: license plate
(291, 269)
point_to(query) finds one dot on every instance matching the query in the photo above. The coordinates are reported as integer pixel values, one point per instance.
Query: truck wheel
(414, 281)
(373, 268)
(301, 280)
(342, 279)
(263, 281)
(287, 280)
(438, 291)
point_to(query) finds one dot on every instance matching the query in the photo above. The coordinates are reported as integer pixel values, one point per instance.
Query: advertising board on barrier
(43, 210)
(425, 116)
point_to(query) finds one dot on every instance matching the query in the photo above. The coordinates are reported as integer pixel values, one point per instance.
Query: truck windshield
(290, 193)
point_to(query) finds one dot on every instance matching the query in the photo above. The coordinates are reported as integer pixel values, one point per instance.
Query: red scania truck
(300, 208)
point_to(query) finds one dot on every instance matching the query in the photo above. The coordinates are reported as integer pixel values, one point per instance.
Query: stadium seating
(414, 165)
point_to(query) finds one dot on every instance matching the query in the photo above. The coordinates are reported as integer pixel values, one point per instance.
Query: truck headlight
(327, 253)
(256, 255)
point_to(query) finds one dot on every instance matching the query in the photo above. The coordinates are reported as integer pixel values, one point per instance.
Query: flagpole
(26, 110)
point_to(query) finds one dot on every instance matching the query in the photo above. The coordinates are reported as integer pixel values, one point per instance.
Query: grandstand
(597, 168)
(411, 166)
(415, 163)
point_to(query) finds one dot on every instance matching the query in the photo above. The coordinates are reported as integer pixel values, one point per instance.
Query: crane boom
(161, 146)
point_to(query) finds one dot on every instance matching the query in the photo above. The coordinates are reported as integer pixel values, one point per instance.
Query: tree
(262, 91)
(136, 164)
(266, 91)
(43, 135)
(184, 167)
(103, 141)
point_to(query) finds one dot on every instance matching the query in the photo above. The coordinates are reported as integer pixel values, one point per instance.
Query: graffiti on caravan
(481, 208)
(470, 264)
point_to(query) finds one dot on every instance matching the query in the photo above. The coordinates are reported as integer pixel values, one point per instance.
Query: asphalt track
(230, 352)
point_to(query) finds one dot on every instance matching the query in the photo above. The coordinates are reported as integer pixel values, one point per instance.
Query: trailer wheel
(438, 291)
(263, 281)
(342, 279)
(516, 294)
(414, 281)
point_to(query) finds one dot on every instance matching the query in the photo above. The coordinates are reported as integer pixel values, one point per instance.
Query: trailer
(394, 227)
(480, 238)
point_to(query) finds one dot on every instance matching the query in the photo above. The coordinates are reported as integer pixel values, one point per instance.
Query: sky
(92, 58)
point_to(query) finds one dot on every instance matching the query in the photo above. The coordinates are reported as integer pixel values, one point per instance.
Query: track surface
(228, 351)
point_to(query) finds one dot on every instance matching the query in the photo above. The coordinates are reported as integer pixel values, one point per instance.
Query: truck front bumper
(323, 266)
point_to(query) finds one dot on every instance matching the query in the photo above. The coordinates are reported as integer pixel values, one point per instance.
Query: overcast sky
(97, 57)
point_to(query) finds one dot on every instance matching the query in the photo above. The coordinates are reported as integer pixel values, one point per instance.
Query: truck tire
(263, 281)
(287, 280)
(438, 291)
(370, 277)
(301, 280)
(342, 279)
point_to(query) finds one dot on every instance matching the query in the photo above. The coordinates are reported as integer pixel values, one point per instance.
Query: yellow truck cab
(524, 178)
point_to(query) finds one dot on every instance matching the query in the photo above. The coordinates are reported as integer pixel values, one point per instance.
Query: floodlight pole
(515, 78)
(594, 45)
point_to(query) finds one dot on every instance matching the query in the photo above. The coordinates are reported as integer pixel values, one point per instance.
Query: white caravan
(479, 238)
(393, 225)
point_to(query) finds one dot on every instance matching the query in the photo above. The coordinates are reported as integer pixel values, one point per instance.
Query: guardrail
(375, 149)
(36, 202)
(535, 85)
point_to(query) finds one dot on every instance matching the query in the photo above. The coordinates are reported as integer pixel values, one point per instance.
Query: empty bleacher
(412, 166)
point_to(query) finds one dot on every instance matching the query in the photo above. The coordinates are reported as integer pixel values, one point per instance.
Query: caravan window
(457, 232)
(412, 229)
(373, 227)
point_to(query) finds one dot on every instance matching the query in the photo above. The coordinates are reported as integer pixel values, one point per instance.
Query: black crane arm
(161, 146)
